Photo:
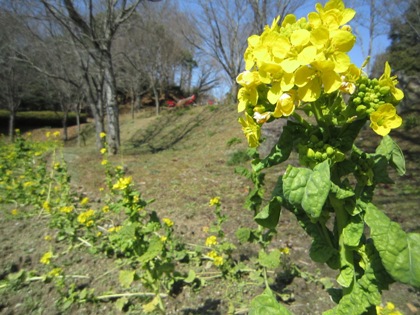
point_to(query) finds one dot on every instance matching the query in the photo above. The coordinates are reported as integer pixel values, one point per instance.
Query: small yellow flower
(66, 209)
(211, 241)
(384, 119)
(55, 272)
(103, 151)
(98, 234)
(163, 239)
(214, 201)
(122, 183)
(85, 217)
(56, 134)
(14, 212)
(48, 238)
(48, 134)
(285, 250)
(105, 209)
(217, 260)
(102, 135)
(251, 129)
(104, 162)
(114, 229)
(46, 258)
(46, 206)
(84, 201)
(168, 222)
(389, 309)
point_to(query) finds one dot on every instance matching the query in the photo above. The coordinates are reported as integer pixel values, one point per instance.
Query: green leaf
(399, 251)
(390, 149)
(380, 170)
(341, 193)
(243, 234)
(281, 151)
(317, 190)
(191, 276)
(346, 276)
(266, 304)
(271, 260)
(270, 214)
(353, 231)
(310, 189)
(154, 249)
(126, 278)
(294, 183)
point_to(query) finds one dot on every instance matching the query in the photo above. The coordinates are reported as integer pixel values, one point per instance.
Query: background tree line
(67, 54)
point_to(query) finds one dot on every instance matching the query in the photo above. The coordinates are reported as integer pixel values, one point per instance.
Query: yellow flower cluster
(86, 217)
(296, 62)
(211, 241)
(46, 258)
(217, 260)
(214, 201)
(389, 309)
(122, 183)
(66, 209)
(168, 222)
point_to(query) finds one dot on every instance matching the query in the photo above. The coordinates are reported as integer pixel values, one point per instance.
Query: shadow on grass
(167, 131)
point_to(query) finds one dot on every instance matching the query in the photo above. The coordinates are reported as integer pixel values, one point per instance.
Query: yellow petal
(300, 37)
(307, 55)
(274, 93)
(320, 36)
(331, 81)
(342, 40)
(290, 65)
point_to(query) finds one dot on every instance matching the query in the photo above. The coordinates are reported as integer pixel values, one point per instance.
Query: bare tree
(15, 77)
(93, 25)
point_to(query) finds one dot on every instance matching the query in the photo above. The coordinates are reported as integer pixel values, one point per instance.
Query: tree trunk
(65, 124)
(79, 130)
(12, 119)
(111, 107)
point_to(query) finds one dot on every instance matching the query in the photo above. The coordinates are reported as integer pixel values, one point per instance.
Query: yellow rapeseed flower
(46, 206)
(214, 201)
(14, 212)
(104, 162)
(211, 241)
(217, 260)
(168, 222)
(122, 183)
(56, 134)
(391, 81)
(114, 229)
(102, 135)
(389, 309)
(84, 201)
(384, 119)
(251, 130)
(48, 238)
(46, 258)
(85, 217)
(66, 209)
(103, 150)
(55, 272)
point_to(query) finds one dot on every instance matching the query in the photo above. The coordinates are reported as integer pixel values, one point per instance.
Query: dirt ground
(182, 173)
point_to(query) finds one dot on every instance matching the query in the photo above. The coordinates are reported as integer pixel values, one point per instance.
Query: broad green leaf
(243, 234)
(347, 135)
(346, 276)
(191, 276)
(341, 193)
(390, 149)
(266, 304)
(154, 249)
(380, 170)
(271, 260)
(270, 214)
(310, 189)
(294, 183)
(151, 306)
(126, 278)
(353, 231)
(320, 250)
(317, 190)
(399, 251)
